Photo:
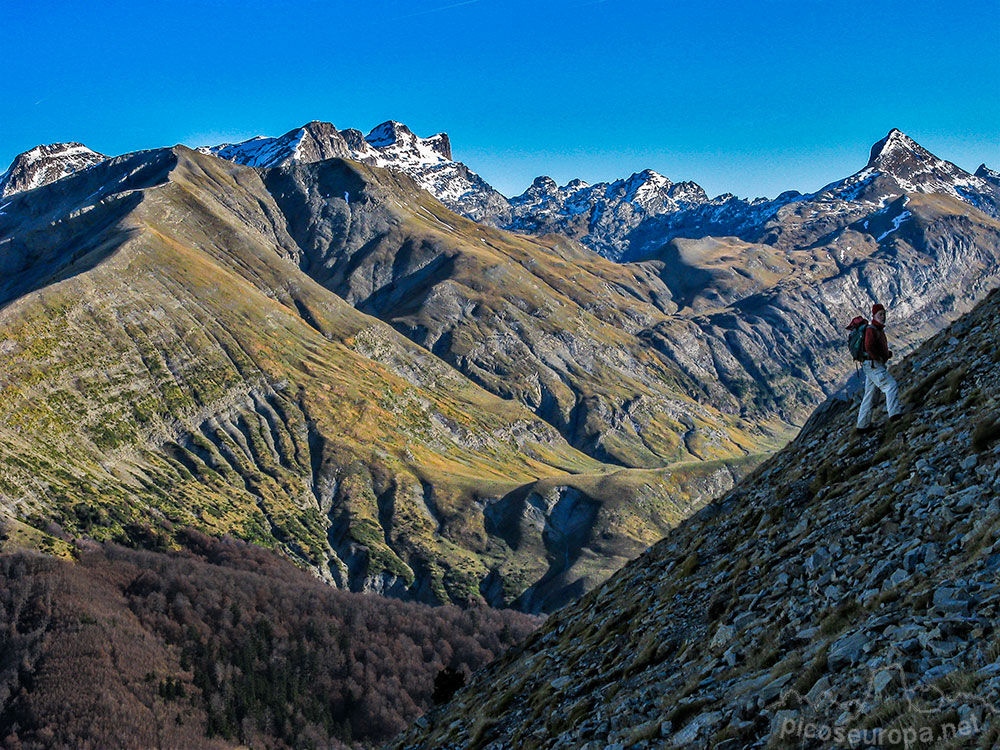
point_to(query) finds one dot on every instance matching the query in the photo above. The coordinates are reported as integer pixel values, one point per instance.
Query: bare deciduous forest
(220, 644)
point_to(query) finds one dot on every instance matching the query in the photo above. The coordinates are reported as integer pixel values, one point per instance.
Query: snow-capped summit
(44, 164)
(895, 147)
(654, 193)
(631, 217)
(314, 141)
(898, 165)
(395, 138)
(874, 199)
(622, 219)
(391, 145)
(915, 168)
(546, 184)
(601, 215)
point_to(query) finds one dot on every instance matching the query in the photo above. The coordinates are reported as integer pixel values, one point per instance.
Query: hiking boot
(864, 430)
(895, 417)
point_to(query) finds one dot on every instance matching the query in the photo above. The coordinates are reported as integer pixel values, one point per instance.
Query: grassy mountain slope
(707, 349)
(538, 320)
(173, 354)
(167, 363)
(848, 583)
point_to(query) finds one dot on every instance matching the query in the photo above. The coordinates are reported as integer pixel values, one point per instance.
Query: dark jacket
(876, 346)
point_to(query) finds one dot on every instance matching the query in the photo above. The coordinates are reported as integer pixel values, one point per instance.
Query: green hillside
(176, 367)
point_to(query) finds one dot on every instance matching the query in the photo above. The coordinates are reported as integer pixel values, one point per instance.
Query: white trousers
(877, 376)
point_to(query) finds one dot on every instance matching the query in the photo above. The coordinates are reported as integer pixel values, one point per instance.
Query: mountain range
(298, 341)
(845, 593)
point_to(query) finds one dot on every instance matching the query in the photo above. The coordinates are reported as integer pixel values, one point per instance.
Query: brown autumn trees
(218, 645)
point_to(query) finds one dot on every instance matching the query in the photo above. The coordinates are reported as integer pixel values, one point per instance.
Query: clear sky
(752, 97)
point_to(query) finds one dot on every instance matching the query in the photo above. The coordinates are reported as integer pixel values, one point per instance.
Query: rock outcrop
(390, 145)
(601, 216)
(44, 164)
(848, 585)
(630, 219)
(990, 175)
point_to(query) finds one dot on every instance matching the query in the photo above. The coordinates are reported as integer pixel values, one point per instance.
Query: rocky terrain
(626, 219)
(391, 145)
(44, 164)
(168, 362)
(601, 216)
(848, 585)
(319, 356)
(630, 219)
(991, 175)
(543, 322)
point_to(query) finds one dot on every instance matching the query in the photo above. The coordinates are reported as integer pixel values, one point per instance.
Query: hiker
(876, 354)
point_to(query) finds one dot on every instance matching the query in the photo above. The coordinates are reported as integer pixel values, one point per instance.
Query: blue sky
(751, 97)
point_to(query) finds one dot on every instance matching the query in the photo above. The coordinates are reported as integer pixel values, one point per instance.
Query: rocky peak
(46, 163)
(391, 145)
(895, 148)
(688, 192)
(898, 164)
(354, 138)
(390, 133)
(321, 129)
(639, 185)
(317, 141)
(395, 137)
(544, 184)
(314, 141)
(990, 175)
(632, 217)
(788, 195)
(611, 210)
(442, 144)
(915, 168)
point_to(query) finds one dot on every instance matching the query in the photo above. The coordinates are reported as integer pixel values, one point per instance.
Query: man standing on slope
(876, 375)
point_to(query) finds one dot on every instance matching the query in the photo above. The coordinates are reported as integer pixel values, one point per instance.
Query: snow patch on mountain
(256, 152)
(390, 145)
(898, 165)
(897, 221)
(398, 144)
(624, 218)
(46, 163)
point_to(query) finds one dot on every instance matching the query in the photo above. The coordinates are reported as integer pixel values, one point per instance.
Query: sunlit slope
(847, 565)
(186, 372)
(539, 320)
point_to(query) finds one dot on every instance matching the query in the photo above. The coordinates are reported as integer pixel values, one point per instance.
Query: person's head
(878, 314)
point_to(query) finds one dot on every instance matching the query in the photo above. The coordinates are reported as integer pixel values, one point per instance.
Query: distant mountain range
(391, 145)
(304, 347)
(622, 220)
